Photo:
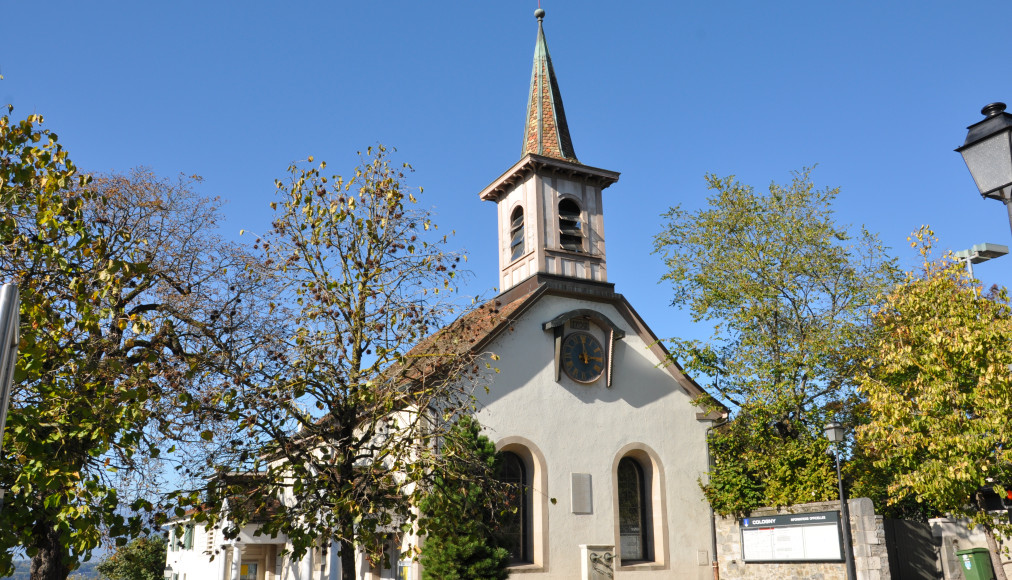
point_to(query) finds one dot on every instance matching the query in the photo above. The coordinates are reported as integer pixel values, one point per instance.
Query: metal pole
(10, 320)
(848, 543)
(714, 563)
(1008, 207)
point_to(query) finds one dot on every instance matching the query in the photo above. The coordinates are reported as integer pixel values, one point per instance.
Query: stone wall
(956, 535)
(868, 530)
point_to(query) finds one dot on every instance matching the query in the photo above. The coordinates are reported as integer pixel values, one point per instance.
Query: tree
(789, 293)
(41, 229)
(142, 559)
(939, 392)
(459, 511)
(117, 278)
(341, 406)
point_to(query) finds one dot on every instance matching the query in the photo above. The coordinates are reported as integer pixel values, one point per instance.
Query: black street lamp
(835, 434)
(987, 152)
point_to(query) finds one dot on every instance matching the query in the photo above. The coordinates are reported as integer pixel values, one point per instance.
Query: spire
(546, 132)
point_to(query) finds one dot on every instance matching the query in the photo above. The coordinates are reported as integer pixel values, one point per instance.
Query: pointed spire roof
(546, 132)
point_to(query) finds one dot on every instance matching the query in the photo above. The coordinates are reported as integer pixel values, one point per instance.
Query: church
(590, 414)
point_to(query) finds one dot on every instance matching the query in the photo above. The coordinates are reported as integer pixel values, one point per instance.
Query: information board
(813, 537)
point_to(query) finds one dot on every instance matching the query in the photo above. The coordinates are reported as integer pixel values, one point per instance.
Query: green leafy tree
(117, 279)
(340, 406)
(141, 559)
(939, 392)
(43, 232)
(789, 293)
(459, 511)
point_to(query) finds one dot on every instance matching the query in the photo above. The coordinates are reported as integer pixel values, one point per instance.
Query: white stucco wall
(192, 563)
(571, 428)
(585, 429)
(211, 557)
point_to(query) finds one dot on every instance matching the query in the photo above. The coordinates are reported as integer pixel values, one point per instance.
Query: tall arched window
(570, 227)
(515, 529)
(633, 512)
(517, 233)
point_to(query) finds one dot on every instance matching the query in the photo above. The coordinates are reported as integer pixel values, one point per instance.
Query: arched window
(515, 529)
(570, 227)
(633, 513)
(517, 233)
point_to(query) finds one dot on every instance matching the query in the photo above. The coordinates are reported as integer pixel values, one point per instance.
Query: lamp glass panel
(834, 432)
(990, 162)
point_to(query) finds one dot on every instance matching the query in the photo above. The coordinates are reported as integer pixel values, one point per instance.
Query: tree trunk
(992, 546)
(347, 554)
(48, 563)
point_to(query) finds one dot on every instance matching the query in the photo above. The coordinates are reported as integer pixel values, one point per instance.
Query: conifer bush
(460, 509)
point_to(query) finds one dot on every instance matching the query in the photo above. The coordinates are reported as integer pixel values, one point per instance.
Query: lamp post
(713, 522)
(9, 321)
(980, 253)
(835, 434)
(987, 152)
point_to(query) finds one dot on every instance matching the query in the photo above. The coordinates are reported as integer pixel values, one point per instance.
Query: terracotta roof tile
(546, 131)
(469, 334)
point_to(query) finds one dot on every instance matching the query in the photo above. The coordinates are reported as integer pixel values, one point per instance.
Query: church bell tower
(551, 218)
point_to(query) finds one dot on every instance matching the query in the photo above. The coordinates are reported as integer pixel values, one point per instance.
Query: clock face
(582, 357)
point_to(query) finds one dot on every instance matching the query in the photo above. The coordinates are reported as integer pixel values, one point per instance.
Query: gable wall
(586, 429)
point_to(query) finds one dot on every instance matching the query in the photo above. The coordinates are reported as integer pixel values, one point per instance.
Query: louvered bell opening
(571, 243)
(570, 228)
(517, 243)
(518, 220)
(571, 234)
(569, 210)
(517, 234)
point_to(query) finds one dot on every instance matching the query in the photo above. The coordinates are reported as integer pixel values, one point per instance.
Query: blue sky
(878, 94)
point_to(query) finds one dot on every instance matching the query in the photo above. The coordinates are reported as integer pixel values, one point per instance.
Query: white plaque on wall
(583, 502)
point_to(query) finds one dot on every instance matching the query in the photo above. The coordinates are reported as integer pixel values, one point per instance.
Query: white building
(590, 414)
